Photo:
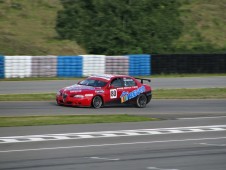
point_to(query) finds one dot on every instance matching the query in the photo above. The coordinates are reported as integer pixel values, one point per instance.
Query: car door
(129, 86)
(115, 90)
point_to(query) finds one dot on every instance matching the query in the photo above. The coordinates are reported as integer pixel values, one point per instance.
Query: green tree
(120, 26)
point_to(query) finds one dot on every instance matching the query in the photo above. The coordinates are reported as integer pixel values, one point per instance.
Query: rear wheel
(141, 101)
(97, 102)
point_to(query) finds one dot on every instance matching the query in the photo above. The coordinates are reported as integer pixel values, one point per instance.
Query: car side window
(128, 82)
(116, 82)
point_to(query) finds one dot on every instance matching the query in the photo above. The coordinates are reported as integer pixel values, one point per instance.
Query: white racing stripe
(111, 144)
(108, 134)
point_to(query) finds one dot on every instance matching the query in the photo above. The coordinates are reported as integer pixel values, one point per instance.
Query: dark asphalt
(11, 87)
(166, 109)
(199, 149)
(180, 150)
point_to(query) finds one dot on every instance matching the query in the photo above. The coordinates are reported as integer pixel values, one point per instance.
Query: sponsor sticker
(99, 91)
(75, 91)
(127, 96)
(88, 95)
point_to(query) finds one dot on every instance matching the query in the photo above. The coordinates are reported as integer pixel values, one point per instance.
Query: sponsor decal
(113, 93)
(99, 91)
(88, 95)
(127, 96)
(75, 91)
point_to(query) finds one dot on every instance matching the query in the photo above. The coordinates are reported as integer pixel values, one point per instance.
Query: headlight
(58, 93)
(79, 96)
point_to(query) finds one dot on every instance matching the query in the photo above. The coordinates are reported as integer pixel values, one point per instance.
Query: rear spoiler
(142, 80)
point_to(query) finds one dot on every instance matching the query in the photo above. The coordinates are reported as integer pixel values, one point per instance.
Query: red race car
(101, 90)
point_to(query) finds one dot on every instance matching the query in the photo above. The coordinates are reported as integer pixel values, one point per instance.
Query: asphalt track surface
(192, 134)
(181, 144)
(166, 109)
(12, 87)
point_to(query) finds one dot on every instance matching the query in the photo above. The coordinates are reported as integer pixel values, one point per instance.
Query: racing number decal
(113, 93)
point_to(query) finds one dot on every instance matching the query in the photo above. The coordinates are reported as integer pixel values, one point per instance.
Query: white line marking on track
(111, 144)
(216, 117)
(108, 159)
(106, 134)
(209, 144)
(155, 168)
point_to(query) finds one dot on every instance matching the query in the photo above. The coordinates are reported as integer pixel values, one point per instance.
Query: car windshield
(93, 83)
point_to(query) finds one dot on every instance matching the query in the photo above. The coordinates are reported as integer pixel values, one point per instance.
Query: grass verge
(186, 75)
(69, 119)
(27, 97)
(204, 93)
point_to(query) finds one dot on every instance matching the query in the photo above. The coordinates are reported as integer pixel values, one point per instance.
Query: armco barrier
(17, 66)
(44, 66)
(139, 65)
(69, 66)
(93, 64)
(2, 67)
(117, 65)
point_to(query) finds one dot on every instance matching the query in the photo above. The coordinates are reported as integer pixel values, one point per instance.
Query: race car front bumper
(66, 100)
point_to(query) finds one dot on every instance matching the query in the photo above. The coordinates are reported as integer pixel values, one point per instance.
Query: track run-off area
(190, 135)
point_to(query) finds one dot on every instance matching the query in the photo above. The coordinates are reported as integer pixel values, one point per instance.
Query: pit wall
(74, 66)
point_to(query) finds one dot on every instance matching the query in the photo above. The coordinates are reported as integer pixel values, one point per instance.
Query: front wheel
(97, 102)
(58, 103)
(141, 101)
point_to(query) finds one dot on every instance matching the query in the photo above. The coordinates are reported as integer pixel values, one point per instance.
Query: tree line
(121, 26)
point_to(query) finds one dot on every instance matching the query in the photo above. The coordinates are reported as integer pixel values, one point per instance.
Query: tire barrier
(134, 65)
(2, 66)
(73, 66)
(44, 66)
(69, 66)
(140, 65)
(93, 64)
(117, 65)
(17, 66)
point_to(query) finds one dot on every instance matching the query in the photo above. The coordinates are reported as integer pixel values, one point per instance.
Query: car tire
(97, 102)
(141, 101)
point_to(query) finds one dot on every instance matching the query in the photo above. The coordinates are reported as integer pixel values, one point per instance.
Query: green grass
(69, 119)
(203, 26)
(28, 97)
(205, 93)
(187, 75)
(28, 28)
